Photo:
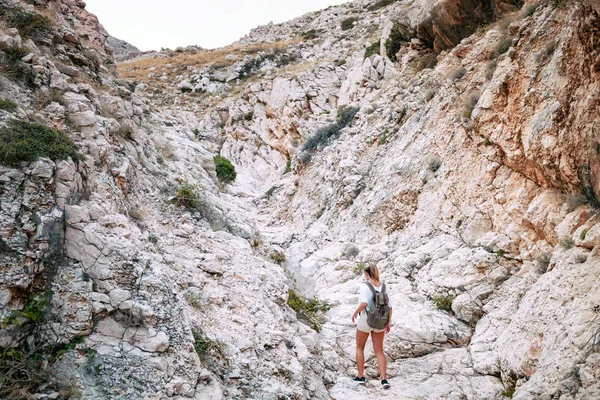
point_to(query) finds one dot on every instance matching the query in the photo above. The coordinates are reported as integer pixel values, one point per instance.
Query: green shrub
(249, 115)
(211, 352)
(394, 42)
(501, 47)
(380, 4)
(187, 195)
(373, 49)
(584, 233)
(25, 141)
(348, 23)
(308, 310)
(225, 169)
(324, 135)
(443, 303)
(29, 24)
(8, 105)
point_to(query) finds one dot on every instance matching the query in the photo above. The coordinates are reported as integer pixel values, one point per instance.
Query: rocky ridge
(469, 175)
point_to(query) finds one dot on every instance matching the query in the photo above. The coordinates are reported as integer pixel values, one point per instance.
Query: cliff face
(452, 143)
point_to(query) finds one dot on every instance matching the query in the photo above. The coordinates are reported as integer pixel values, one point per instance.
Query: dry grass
(139, 69)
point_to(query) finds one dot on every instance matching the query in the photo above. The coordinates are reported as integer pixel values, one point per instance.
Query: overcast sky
(152, 24)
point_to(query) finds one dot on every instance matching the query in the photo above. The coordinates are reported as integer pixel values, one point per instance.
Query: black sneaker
(360, 381)
(385, 384)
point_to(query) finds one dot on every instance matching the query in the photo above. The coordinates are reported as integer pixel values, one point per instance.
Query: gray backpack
(379, 314)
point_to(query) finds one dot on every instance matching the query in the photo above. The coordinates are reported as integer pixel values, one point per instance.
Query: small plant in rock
(153, 238)
(211, 352)
(373, 49)
(8, 105)
(426, 61)
(308, 310)
(14, 54)
(358, 269)
(457, 74)
(433, 163)
(348, 23)
(584, 233)
(277, 257)
(566, 242)
(22, 141)
(323, 136)
(470, 104)
(509, 392)
(393, 43)
(225, 169)
(443, 303)
(490, 69)
(543, 261)
(529, 10)
(500, 48)
(310, 35)
(288, 166)
(430, 94)
(187, 195)
(196, 131)
(249, 115)
(44, 97)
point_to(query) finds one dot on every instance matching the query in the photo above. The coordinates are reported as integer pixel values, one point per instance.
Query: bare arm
(360, 308)
(389, 325)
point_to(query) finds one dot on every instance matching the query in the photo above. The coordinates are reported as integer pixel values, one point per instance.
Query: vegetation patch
(380, 4)
(509, 392)
(443, 303)
(373, 49)
(426, 61)
(323, 136)
(187, 195)
(500, 48)
(27, 364)
(394, 42)
(8, 105)
(225, 169)
(29, 24)
(22, 141)
(310, 35)
(277, 257)
(211, 352)
(14, 69)
(470, 104)
(310, 311)
(348, 23)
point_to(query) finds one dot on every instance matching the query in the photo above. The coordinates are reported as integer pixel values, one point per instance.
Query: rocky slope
(460, 154)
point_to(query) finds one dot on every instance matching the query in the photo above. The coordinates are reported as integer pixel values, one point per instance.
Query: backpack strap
(370, 286)
(383, 288)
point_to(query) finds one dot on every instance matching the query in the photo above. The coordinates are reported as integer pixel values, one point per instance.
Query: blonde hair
(372, 271)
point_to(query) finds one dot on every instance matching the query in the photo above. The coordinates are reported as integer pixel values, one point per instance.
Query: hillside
(452, 143)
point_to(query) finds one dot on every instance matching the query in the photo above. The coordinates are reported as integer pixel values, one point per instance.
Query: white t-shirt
(366, 296)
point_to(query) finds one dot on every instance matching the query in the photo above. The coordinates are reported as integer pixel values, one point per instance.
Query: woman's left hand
(387, 329)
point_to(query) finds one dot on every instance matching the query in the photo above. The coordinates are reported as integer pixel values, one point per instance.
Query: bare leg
(378, 349)
(361, 340)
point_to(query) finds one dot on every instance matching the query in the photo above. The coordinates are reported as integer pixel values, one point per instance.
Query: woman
(363, 329)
